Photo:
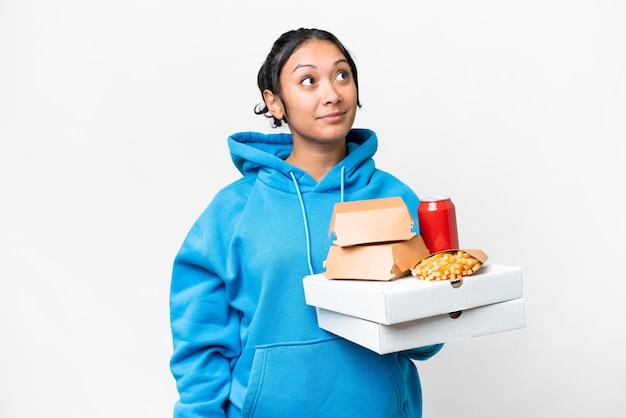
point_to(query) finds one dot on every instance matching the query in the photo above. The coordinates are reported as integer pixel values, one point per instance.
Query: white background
(113, 124)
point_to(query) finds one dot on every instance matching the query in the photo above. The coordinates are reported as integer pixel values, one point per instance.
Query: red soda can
(437, 221)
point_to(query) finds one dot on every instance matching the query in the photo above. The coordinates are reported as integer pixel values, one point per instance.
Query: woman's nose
(330, 94)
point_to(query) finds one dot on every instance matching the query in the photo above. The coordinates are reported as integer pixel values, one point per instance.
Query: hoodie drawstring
(306, 223)
(304, 218)
(343, 170)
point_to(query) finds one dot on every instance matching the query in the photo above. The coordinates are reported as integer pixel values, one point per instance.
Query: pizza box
(409, 298)
(443, 328)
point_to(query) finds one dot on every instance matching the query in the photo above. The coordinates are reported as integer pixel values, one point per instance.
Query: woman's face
(319, 93)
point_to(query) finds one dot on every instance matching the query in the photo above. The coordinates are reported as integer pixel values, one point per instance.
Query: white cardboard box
(409, 298)
(383, 339)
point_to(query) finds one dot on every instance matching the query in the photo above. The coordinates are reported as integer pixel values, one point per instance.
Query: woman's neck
(317, 162)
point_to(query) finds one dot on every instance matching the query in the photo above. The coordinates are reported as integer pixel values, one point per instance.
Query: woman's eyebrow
(339, 61)
(303, 66)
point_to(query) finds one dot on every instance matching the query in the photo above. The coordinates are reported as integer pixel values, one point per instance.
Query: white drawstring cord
(343, 169)
(304, 219)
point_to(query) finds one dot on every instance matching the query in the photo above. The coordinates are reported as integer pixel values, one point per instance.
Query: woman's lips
(333, 117)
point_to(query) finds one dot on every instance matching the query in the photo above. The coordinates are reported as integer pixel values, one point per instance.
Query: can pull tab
(456, 283)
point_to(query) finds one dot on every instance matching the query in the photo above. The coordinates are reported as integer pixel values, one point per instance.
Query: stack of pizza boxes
(368, 295)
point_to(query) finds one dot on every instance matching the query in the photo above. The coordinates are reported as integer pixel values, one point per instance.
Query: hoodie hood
(263, 155)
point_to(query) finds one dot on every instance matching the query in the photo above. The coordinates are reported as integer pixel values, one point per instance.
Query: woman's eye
(342, 75)
(307, 81)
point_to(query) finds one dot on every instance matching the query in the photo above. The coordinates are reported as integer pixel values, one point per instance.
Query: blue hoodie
(245, 342)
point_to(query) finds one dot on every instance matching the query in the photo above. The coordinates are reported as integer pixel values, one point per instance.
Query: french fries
(446, 265)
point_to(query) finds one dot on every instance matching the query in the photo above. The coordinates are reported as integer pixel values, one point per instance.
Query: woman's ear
(274, 104)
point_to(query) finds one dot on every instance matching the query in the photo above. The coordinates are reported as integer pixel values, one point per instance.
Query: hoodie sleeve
(205, 331)
(424, 353)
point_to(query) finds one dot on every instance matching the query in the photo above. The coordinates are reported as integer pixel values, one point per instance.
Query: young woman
(245, 342)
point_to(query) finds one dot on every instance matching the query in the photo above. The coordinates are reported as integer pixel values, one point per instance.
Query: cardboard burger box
(367, 294)
(382, 261)
(373, 240)
(371, 221)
